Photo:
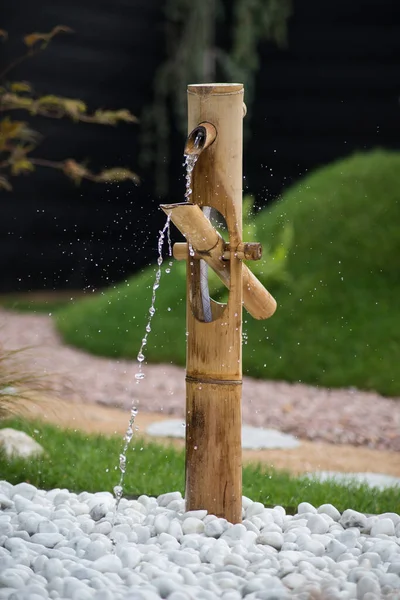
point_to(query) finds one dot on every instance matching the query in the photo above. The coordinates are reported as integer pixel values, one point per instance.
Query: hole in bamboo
(208, 295)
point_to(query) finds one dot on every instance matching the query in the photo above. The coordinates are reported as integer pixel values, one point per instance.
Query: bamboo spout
(200, 138)
(207, 242)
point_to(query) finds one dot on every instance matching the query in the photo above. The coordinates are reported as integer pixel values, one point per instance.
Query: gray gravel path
(347, 416)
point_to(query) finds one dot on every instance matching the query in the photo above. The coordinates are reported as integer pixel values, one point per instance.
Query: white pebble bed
(58, 544)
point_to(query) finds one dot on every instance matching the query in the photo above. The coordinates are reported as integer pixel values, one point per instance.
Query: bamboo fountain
(214, 347)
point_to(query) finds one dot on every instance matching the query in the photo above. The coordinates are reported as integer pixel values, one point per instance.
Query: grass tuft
(17, 382)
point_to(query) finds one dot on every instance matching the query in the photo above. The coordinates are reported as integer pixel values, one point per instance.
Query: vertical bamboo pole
(214, 349)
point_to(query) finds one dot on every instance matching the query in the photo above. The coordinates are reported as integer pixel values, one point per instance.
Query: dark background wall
(333, 91)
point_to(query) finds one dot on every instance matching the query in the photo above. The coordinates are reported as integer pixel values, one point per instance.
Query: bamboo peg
(244, 251)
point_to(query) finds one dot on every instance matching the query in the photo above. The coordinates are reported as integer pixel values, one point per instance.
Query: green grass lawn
(338, 317)
(79, 461)
(31, 303)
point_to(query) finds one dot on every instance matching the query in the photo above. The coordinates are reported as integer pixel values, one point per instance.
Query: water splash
(190, 161)
(139, 375)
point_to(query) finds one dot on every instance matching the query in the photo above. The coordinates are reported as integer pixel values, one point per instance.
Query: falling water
(139, 375)
(190, 161)
(189, 164)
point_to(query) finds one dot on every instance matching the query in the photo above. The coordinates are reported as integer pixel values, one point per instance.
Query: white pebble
(5, 502)
(367, 584)
(98, 511)
(306, 507)
(382, 526)
(310, 545)
(255, 508)
(80, 508)
(235, 559)
(175, 529)
(394, 568)
(246, 502)
(104, 527)
(46, 526)
(214, 529)
(165, 499)
(108, 564)
(329, 509)
(389, 515)
(184, 558)
(142, 532)
(271, 538)
(21, 503)
(197, 514)
(335, 549)
(26, 490)
(385, 549)
(161, 523)
(317, 524)
(60, 497)
(29, 521)
(11, 578)
(192, 525)
(294, 580)
(95, 550)
(348, 537)
(352, 518)
(235, 532)
(49, 540)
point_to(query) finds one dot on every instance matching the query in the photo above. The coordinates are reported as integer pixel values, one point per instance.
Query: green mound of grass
(338, 317)
(82, 462)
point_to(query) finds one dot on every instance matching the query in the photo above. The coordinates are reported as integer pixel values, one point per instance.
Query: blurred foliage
(338, 319)
(194, 55)
(18, 140)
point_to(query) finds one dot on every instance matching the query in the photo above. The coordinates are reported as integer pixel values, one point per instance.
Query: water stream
(189, 164)
(139, 375)
(190, 161)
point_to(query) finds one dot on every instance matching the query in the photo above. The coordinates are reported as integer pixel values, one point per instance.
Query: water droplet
(140, 357)
(122, 462)
(139, 376)
(118, 492)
